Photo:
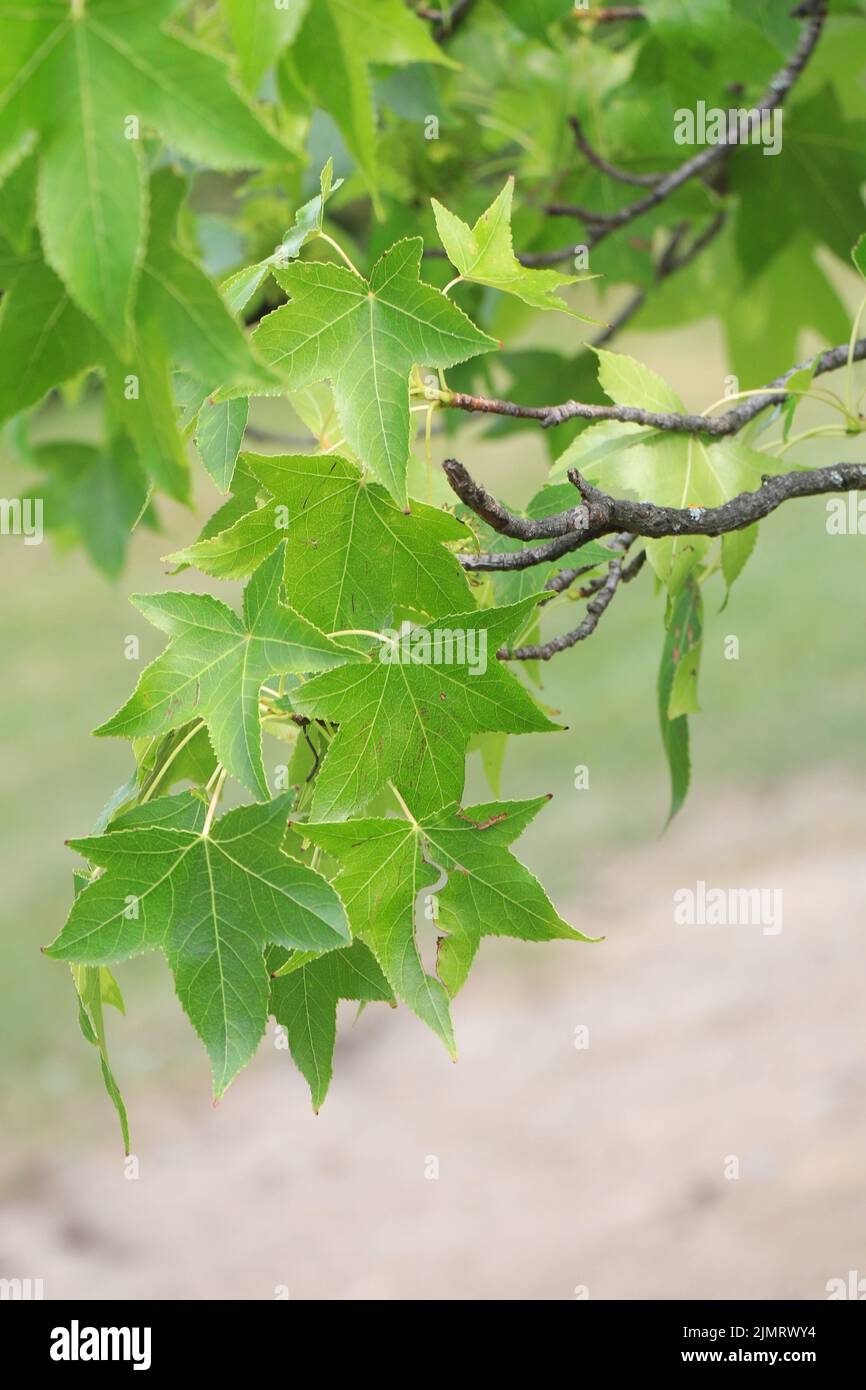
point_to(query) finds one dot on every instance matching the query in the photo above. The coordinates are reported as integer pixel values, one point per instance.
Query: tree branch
(605, 167)
(543, 651)
(600, 515)
(601, 225)
(717, 426)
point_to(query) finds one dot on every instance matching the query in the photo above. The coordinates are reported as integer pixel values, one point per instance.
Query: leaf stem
(855, 331)
(211, 810)
(363, 632)
(403, 807)
(161, 771)
(341, 253)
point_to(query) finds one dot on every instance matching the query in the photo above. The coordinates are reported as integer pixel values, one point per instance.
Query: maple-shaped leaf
(478, 888)
(407, 715)
(669, 469)
(351, 552)
(331, 58)
(210, 897)
(215, 664)
(304, 1001)
(365, 337)
(485, 254)
(74, 73)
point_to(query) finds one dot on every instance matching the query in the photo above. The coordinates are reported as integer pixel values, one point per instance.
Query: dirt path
(558, 1167)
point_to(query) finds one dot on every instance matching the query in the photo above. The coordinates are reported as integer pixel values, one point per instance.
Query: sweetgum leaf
(305, 1001)
(333, 520)
(484, 254)
(388, 863)
(409, 722)
(365, 337)
(215, 664)
(211, 901)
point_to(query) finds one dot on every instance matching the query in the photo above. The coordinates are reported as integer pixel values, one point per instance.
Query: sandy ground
(559, 1168)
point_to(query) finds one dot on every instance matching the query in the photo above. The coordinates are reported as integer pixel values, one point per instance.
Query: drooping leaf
(365, 337)
(305, 1001)
(677, 686)
(95, 986)
(87, 78)
(219, 436)
(211, 898)
(215, 664)
(812, 185)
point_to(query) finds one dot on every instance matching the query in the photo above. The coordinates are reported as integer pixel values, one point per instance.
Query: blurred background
(604, 1168)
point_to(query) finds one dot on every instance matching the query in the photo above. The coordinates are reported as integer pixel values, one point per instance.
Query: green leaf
(99, 493)
(333, 520)
(92, 195)
(42, 332)
(858, 255)
(305, 1003)
(365, 337)
(406, 716)
(389, 866)
(215, 664)
(331, 56)
(671, 470)
(96, 986)
(183, 90)
(737, 547)
(141, 402)
(219, 435)
(77, 74)
(485, 255)
(629, 382)
(534, 17)
(240, 287)
(180, 300)
(260, 29)
(677, 686)
(18, 205)
(212, 901)
(813, 184)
